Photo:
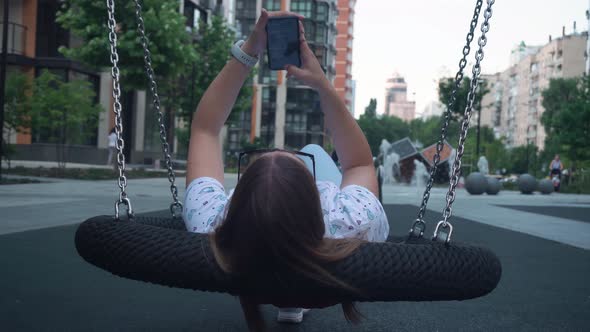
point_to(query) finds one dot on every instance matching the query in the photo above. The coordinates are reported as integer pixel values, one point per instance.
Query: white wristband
(236, 52)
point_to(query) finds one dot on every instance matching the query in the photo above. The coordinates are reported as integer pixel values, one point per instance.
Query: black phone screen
(283, 42)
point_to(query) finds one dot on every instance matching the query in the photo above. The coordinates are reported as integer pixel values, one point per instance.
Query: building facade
(513, 107)
(396, 99)
(286, 113)
(33, 43)
(588, 41)
(343, 82)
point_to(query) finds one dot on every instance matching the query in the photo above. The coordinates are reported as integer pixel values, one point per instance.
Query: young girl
(279, 216)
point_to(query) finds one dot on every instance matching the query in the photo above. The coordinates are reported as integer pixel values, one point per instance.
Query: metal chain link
(447, 212)
(176, 206)
(120, 143)
(419, 225)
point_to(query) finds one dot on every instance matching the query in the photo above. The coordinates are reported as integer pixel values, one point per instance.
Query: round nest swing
(412, 268)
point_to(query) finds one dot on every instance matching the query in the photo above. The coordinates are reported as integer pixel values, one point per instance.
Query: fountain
(482, 165)
(384, 147)
(420, 174)
(390, 162)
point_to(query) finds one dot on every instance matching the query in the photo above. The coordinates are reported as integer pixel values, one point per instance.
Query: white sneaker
(291, 315)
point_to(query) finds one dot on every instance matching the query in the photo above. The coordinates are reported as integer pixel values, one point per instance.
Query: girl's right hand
(310, 73)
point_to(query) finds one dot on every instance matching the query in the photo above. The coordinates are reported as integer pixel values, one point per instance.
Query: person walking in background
(556, 167)
(112, 146)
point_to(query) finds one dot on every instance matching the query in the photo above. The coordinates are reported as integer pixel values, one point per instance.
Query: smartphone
(282, 42)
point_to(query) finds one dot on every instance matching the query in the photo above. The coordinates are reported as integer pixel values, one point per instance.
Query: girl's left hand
(256, 43)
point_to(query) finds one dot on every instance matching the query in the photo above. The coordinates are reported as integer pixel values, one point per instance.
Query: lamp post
(478, 127)
(3, 78)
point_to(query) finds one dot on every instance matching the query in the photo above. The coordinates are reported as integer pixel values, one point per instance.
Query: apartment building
(34, 38)
(286, 113)
(513, 106)
(343, 81)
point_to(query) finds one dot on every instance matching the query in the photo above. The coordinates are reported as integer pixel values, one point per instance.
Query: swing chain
(419, 224)
(447, 212)
(176, 206)
(117, 109)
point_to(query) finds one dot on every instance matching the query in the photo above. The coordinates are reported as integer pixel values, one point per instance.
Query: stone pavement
(64, 202)
(496, 211)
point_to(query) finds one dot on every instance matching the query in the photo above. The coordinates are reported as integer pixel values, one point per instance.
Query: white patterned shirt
(350, 212)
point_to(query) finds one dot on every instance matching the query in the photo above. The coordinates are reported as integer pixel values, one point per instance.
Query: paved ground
(580, 213)
(45, 286)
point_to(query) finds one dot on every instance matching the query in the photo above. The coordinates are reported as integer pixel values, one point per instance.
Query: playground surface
(543, 243)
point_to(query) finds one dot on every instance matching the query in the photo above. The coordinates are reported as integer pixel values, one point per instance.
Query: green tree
(371, 109)
(59, 109)
(212, 47)
(376, 129)
(496, 154)
(16, 109)
(445, 89)
(17, 103)
(427, 131)
(567, 116)
(170, 45)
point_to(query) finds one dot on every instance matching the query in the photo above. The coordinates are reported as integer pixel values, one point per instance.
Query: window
(322, 12)
(320, 53)
(246, 8)
(303, 7)
(50, 35)
(309, 28)
(86, 134)
(266, 76)
(320, 33)
(295, 122)
(193, 15)
(244, 27)
(267, 116)
(272, 5)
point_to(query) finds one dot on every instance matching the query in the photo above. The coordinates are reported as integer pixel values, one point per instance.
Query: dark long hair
(275, 219)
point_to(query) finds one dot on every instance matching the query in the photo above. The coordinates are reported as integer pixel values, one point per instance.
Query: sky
(422, 40)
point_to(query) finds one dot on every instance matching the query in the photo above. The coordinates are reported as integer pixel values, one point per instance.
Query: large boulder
(494, 186)
(476, 183)
(527, 183)
(545, 186)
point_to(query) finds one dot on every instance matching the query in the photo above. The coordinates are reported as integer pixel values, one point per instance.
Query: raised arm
(351, 144)
(204, 153)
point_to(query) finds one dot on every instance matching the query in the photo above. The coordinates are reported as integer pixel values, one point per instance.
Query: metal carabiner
(439, 233)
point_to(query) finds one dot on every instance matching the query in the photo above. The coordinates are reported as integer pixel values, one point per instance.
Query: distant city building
(491, 104)
(396, 99)
(343, 82)
(588, 41)
(513, 106)
(521, 51)
(434, 108)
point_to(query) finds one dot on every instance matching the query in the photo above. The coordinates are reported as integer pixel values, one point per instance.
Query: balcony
(17, 38)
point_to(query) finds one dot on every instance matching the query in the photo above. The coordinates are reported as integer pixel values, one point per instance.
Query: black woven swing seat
(161, 251)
